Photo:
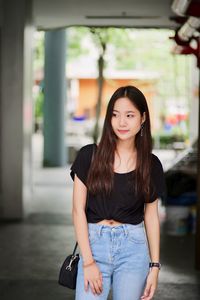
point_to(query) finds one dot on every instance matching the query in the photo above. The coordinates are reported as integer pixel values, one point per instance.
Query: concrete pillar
(15, 107)
(54, 98)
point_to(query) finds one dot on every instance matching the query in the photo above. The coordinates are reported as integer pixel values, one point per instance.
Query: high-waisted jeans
(122, 254)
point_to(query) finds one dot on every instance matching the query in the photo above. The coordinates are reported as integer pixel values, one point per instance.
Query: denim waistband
(124, 228)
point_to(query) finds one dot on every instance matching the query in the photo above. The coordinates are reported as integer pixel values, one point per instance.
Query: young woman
(117, 184)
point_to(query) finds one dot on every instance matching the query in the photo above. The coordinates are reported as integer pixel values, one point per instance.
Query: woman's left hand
(151, 284)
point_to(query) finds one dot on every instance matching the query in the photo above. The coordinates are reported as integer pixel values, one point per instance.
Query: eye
(129, 115)
(114, 114)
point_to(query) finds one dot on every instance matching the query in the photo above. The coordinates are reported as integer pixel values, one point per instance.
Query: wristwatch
(155, 264)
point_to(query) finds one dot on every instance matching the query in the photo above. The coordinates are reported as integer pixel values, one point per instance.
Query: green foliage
(129, 49)
(39, 105)
(38, 54)
(167, 141)
(75, 45)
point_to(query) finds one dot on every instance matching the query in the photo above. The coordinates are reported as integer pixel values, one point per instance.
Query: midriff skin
(109, 222)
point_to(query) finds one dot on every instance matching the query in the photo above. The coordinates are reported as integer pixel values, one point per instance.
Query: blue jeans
(122, 254)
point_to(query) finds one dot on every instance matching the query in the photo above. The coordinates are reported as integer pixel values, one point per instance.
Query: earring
(141, 129)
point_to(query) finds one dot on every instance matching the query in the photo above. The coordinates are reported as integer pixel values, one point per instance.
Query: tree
(129, 49)
(101, 38)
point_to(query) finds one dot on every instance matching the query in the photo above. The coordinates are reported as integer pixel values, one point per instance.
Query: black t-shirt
(121, 205)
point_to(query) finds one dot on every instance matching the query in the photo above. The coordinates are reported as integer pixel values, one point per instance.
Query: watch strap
(155, 264)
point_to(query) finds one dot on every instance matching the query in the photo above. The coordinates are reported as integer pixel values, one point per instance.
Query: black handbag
(68, 271)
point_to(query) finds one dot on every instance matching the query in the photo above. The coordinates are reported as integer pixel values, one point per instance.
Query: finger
(100, 284)
(100, 281)
(146, 292)
(96, 287)
(92, 287)
(151, 294)
(86, 285)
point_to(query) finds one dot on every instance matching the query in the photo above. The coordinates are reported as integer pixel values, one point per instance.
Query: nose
(122, 121)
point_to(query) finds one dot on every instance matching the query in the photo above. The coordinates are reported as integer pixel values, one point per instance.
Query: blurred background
(60, 63)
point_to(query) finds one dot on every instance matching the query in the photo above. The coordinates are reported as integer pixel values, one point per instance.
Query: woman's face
(126, 119)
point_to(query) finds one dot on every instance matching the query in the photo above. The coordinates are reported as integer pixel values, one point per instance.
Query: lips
(123, 131)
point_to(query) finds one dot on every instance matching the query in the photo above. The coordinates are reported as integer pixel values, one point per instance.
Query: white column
(15, 107)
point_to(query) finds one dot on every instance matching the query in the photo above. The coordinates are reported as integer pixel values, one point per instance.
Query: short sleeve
(81, 163)
(158, 184)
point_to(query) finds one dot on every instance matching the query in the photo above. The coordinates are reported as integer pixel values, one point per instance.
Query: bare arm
(152, 226)
(92, 274)
(79, 219)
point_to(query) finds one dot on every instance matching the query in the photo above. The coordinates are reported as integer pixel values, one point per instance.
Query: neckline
(125, 173)
(132, 171)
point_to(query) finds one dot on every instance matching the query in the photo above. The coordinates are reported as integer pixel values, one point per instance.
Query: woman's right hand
(93, 277)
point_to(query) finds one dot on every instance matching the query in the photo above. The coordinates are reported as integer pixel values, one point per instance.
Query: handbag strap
(86, 206)
(75, 247)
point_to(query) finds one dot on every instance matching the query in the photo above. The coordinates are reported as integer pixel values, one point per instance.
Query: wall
(88, 90)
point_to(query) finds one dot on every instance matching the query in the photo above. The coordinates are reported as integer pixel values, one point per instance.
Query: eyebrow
(128, 111)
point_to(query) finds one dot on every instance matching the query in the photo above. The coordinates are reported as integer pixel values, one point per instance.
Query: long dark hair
(101, 175)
